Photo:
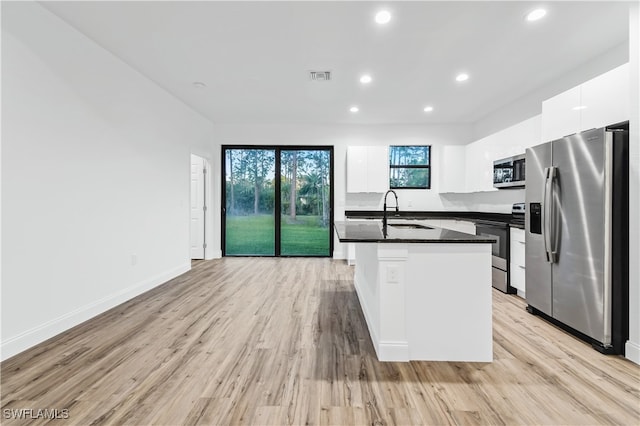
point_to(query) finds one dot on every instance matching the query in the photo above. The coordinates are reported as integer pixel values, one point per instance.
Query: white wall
(95, 169)
(340, 136)
(633, 345)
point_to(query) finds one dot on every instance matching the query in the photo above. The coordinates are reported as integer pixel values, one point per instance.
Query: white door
(198, 206)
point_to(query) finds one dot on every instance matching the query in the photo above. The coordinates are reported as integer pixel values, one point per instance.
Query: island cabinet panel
(419, 304)
(449, 307)
(367, 169)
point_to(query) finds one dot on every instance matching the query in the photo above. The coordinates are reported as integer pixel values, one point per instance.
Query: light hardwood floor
(283, 341)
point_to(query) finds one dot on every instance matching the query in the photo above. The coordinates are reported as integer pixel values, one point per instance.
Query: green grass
(254, 235)
(306, 237)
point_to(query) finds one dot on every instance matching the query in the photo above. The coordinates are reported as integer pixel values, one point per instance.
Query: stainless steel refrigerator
(577, 235)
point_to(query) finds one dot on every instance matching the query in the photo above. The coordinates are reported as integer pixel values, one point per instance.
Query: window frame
(427, 167)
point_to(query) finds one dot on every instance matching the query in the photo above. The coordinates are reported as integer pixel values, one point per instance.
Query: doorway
(277, 201)
(198, 207)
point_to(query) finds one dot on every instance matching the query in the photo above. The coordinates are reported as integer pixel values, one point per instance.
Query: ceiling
(255, 57)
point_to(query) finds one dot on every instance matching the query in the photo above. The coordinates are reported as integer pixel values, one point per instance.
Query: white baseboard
(393, 351)
(40, 333)
(213, 254)
(338, 254)
(632, 351)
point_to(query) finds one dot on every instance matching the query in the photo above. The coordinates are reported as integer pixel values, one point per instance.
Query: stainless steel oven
(499, 251)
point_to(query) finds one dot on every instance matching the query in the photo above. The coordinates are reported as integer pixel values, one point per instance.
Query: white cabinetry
(605, 99)
(469, 168)
(560, 116)
(479, 165)
(596, 103)
(367, 169)
(517, 266)
(452, 174)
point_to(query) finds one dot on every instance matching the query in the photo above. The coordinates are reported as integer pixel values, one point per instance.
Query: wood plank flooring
(268, 341)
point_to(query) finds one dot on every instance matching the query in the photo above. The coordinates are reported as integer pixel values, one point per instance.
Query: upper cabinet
(596, 103)
(561, 115)
(452, 168)
(367, 169)
(469, 168)
(605, 99)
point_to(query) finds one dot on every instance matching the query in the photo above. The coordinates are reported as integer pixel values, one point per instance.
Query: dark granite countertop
(505, 219)
(370, 231)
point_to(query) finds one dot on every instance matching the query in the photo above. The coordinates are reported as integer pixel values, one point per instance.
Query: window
(410, 167)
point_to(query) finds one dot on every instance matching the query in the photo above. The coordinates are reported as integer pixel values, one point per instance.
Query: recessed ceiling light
(428, 109)
(365, 79)
(579, 107)
(462, 77)
(534, 15)
(383, 17)
(199, 85)
(354, 109)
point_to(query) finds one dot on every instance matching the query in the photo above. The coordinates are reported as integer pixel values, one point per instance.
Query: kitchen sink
(409, 226)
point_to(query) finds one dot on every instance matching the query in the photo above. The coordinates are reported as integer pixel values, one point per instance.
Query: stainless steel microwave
(509, 172)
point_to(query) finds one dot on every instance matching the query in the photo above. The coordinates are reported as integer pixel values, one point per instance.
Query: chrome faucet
(384, 209)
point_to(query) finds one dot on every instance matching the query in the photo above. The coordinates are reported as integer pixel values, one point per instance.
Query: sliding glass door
(278, 201)
(249, 208)
(305, 227)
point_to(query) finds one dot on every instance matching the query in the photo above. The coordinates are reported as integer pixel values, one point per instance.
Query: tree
(232, 189)
(293, 185)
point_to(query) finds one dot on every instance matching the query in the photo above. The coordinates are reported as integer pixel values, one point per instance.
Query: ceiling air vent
(320, 75)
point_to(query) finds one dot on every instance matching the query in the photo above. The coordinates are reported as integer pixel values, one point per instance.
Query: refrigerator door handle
(545, 201)
(608, 174)
(553, 240)
(547, 213)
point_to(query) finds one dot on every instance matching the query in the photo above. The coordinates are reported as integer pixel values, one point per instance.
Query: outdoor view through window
(294, 182)
(410, 167)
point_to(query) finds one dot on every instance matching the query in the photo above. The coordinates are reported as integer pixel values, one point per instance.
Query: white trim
(632, 351)
(40, 333)
(390, 351)
(338, 254)
(213, 254)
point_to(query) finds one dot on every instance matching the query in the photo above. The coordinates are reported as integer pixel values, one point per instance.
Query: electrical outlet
(410, 203)
(134, 259)
(393, 274)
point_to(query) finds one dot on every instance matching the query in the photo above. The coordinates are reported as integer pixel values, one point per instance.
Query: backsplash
(499, 201)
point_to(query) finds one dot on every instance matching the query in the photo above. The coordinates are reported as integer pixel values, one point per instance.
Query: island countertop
(371, 231)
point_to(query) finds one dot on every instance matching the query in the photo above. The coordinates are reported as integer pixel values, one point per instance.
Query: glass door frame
(277, 196)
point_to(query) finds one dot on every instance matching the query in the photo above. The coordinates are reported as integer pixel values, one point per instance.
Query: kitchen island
(425, 292)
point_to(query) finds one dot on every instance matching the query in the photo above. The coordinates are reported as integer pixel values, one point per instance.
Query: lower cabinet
(517, 266)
